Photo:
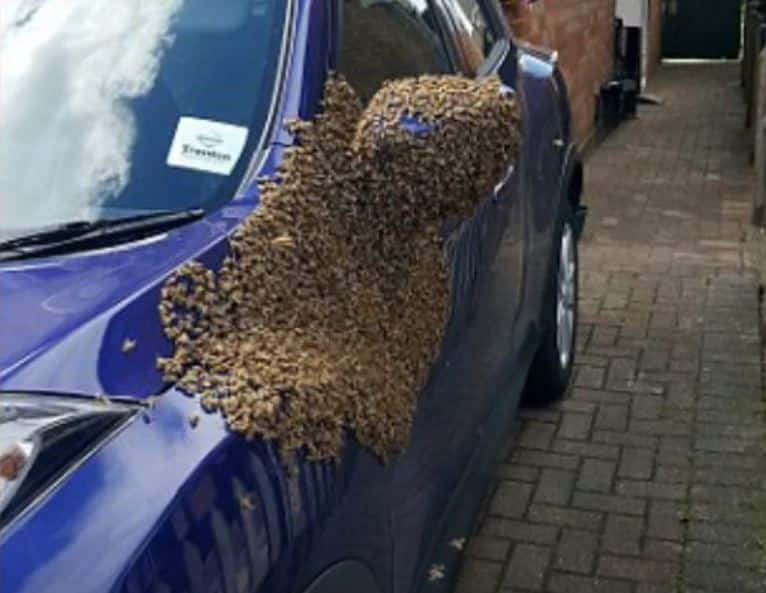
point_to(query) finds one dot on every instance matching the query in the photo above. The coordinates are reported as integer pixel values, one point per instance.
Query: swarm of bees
(328, 312)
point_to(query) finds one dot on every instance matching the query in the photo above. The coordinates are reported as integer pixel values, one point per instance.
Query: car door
(437, 483)
(545, 143)
(531, 73)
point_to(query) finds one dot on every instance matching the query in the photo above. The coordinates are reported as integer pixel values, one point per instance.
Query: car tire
(552, 366)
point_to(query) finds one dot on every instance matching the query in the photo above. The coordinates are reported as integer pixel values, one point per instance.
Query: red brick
(583, 34)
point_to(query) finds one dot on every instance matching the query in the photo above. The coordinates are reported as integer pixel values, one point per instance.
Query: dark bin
(610, 103)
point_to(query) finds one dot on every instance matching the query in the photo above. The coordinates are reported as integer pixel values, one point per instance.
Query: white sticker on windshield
(206, 145)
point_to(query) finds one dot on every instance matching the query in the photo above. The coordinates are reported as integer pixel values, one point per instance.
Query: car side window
(475, 35)
(388, 39)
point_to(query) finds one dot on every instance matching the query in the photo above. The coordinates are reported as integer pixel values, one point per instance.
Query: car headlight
(44, 436)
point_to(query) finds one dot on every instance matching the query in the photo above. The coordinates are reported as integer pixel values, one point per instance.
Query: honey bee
(458, 543)
(246, 502)
(436, 572)
(331, 306)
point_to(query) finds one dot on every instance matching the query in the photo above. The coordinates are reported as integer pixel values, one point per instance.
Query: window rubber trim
(261, 150)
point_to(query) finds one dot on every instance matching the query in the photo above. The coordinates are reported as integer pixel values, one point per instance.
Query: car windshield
(114, 108)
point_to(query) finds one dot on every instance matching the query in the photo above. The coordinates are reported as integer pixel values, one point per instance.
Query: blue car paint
(164, 506)
(416, 126)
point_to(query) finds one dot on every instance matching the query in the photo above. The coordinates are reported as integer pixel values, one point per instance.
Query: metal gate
(709, 29)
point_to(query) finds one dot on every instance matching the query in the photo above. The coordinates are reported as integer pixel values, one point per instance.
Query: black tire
(550, 373)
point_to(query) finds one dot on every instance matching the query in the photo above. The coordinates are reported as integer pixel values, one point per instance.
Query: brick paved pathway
(651, 477)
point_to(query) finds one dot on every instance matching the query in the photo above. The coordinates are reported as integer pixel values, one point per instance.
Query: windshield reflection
(88, 57)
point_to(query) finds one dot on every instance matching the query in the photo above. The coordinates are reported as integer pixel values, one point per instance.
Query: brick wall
(583, 33)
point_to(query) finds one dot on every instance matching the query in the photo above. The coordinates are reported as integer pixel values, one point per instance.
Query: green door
(708, 29)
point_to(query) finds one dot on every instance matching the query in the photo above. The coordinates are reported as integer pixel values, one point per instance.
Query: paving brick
(636, 569)
(576, 551)
(600, 397)
(623, 534)
(522, 531)
(590, 377)
(665, 520)
(737, 514)
(719, 553)
(569, 583)
(479, 576)
(565, 517)
(517, 473)
(704, 459)
(728, 477)
(621, 375)
(542, 459)
(612, 417)
(647, 489)
(721, 444)
(608, 503)
(554, 487)
(655, 360)
(660, 549)
(615, 301)
(589, 360)
(719, 578)
(746, 417)
(575, 426)
(488, 548)
(511, 499)
(626, 439)
(728, 495)
(661, 427)
(527, 567)
(684, 366)
(663, 431)
(636, 464)
(596, 475)
(646, 407)
(672, 474)
(596, 450)
(536, 435)
(721, 533)
(659, 588)
(605, 335)
(677, 459)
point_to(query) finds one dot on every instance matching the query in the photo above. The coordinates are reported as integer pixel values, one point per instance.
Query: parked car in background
(100, 204)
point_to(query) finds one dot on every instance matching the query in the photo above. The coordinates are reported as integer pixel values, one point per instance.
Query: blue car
(132, 137)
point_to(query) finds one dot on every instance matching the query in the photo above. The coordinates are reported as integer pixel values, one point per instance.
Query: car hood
(88, 322)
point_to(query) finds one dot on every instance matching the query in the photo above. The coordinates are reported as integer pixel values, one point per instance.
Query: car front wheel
(552, 366)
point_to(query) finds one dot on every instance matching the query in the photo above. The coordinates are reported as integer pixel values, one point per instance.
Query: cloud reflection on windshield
(67, 68)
